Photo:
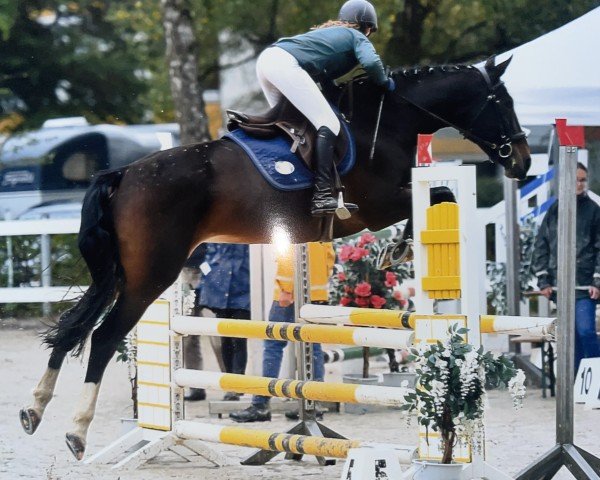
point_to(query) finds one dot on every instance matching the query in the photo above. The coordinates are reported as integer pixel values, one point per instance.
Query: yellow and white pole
(334, 315)
(284, 388)
(403, 320)
(293, 332)
(513, 325)
(278, 442)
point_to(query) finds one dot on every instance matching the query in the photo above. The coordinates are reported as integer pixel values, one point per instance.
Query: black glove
(389, 85)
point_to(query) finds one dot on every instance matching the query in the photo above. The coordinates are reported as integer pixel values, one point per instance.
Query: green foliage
(450, 393)
(105, 59)
(8, 11)
(68, 268)
(496, 271)
(68, 58)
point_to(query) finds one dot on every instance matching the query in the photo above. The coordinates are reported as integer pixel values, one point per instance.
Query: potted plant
(450, 394)
(359, 283)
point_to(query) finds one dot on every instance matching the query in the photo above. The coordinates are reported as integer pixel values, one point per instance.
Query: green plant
(496, 271)
(450, 393)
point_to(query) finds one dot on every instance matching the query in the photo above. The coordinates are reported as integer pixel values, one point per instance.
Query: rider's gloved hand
(389, 85)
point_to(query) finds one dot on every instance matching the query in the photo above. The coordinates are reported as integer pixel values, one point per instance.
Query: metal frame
(308, 424)
(583, 465)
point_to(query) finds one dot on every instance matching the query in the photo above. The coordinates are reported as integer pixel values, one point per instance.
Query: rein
(504, 149)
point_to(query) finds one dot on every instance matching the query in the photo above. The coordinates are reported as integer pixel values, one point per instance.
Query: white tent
(557, 75)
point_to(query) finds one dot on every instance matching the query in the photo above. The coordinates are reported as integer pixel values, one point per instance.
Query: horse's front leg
(31, 416)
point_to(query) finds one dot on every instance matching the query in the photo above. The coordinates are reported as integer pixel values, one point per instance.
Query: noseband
(504, 146)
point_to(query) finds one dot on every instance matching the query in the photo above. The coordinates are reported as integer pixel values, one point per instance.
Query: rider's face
(368, 31)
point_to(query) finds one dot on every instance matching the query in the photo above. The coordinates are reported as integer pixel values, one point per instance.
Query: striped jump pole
(279, 442)
(349, 353)
(514, 325)
(364, 317)
(400, 319)
(293, 332)
(276, 387)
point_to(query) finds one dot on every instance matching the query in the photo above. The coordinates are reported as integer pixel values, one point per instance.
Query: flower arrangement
(358, 282)
(450, 396)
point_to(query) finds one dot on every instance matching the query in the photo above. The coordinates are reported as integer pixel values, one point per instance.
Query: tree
(63, 59)
(182, 58)
(454, 31)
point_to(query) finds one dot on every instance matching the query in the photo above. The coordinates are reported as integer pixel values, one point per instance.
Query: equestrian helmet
(360, 12)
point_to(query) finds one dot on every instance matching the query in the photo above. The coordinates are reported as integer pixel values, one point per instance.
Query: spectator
(321, 258)
(225, 290)
(587, 269)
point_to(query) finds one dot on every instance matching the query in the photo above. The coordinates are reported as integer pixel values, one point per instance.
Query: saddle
(285, 119)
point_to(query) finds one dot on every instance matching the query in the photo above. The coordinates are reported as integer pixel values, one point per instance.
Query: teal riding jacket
(331, 52)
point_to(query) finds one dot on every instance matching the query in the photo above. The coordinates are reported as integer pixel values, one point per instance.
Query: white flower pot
(431, 470)
(400, 379)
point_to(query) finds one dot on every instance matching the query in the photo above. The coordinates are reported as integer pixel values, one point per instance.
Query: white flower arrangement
(450, 397)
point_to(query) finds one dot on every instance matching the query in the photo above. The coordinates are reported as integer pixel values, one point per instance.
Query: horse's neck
(445, 102)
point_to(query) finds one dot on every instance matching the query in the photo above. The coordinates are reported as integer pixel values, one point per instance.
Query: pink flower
(347, 289)
(377, 301)
(363, 289)
(390, 279)
(341, 276)
(358, 253)
(361, 301)
(397, 295)
(345, 301)
(345, 253)
(365, 239)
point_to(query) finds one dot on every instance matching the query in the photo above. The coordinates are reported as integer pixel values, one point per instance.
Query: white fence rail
(44, 228)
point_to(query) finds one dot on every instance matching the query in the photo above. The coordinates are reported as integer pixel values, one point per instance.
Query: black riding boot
(323, 201)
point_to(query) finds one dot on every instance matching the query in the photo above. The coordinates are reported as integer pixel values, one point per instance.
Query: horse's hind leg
(42, 394)
(105, 339)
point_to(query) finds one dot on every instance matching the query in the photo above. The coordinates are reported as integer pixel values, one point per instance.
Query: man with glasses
(587, 270)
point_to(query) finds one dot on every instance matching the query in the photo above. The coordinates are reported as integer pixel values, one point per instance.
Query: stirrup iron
(341, 211)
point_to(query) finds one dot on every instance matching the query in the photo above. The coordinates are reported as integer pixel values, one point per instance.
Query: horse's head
(495, 127)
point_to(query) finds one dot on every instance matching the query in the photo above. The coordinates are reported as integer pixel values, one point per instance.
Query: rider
(291, 67)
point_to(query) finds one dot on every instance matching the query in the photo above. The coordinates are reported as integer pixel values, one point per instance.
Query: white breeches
(279, 74)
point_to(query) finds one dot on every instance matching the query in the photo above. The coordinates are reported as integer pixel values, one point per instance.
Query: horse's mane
(415, 73)
(421, 70)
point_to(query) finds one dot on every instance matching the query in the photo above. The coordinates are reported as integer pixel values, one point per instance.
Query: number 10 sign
(587, 383)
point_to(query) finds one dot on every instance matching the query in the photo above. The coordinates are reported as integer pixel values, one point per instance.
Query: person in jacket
(321, 257)
(587, 269)
(224, 288)
(291, 68)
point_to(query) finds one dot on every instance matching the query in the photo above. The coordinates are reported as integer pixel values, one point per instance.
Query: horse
(141, 222)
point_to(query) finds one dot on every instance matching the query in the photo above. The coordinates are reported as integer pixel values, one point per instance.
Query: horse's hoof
(76, 444)
(30, 420)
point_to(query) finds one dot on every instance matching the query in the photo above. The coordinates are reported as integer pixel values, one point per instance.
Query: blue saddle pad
(283, 169)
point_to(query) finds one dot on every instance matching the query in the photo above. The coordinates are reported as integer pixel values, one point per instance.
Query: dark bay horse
(140, 223)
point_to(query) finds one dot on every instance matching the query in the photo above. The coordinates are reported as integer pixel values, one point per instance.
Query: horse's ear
(501, 67)
(490, 63)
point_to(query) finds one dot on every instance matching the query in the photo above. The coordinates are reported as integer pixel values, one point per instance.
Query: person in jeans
(225, 290)
(321, 257)
(587, 270)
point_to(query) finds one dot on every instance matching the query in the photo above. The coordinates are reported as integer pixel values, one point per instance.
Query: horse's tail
(98, 246)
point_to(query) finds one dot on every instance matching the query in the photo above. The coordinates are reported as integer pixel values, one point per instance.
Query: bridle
(504, 146)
